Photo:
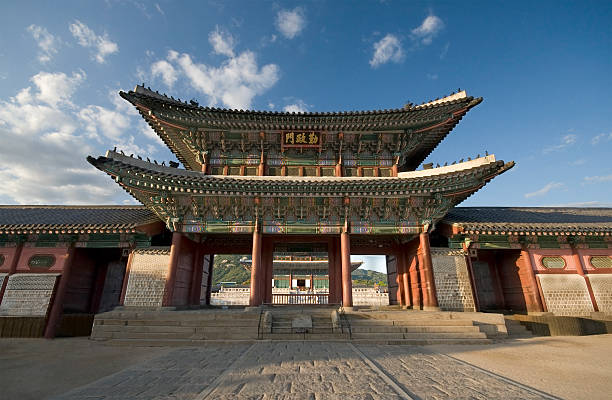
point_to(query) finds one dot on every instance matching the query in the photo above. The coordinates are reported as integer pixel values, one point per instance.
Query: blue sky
(543, 68)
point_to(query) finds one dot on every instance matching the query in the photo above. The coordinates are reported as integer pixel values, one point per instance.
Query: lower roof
(74, 219)
(52, 218)
(526, 220)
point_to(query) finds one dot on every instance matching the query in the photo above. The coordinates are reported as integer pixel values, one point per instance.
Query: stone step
(413, 335)
(516, 329)
(433, 322)
(415, 329)
(203, 335)
(291, 330)
(305, 336)
(158, 322)
(173, 342)
(422, 342)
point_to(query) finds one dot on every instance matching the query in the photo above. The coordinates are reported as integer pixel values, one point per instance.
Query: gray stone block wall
(566, 294)
(453, 285)
(28, 294)
(602, 290)
(147, 279)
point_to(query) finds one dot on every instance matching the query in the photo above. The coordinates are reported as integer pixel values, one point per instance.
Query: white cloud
(541, 192)
(432, 77)
(444, 51)
(164, 69)
(290, 22)
(56, 88)
(601, 138)
(159, 9)
(47, 43)
(47, 142)
(222, 42)
(298, 106)
(598, 179)
(585, 204)
(387, 49)
(374, 263)
(428, 29)
(566, 141)
(234, 83)
(86, 37)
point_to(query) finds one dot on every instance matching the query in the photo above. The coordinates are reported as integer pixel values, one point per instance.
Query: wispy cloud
(545, 189)
(234, 83)
(444, 51)
(222, 42)
(43, 124)
(167, 72)
(159, 9)
(432, 77)
(291, 22)
(47, 43)
(296, 106)
(387, 49)
(101, 45)
(598, 179)
(429, 28)
(602, 137)
(566, 141)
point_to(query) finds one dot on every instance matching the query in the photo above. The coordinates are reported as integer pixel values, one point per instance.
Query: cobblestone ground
(302, 370)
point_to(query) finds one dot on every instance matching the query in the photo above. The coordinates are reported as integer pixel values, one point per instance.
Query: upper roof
(527, 220)
(74, 219)
(183, 126)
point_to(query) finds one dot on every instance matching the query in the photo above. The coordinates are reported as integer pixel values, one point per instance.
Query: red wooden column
(126, 276)
(406, 278)
(175, 251)
(428, 284)
(347, 284)
(580, 269)
(535, 286)
(415, 288)
(12, 268)
(257, 274)
(399, 279)
(55, 316)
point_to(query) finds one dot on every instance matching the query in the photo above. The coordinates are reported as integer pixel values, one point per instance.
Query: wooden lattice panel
(147, 280)
(602, 290)
(566, 294)
(28, 294)
(453, 285)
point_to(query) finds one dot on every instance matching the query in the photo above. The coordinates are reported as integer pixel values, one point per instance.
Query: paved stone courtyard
(537, 368)
(302, 370)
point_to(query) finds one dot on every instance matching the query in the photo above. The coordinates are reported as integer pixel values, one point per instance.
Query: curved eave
(143, 179)
(432, 118)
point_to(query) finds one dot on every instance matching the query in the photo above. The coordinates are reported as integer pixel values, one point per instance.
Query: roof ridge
(452, 98)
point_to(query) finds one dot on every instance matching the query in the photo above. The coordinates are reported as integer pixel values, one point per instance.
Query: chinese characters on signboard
(301, 139)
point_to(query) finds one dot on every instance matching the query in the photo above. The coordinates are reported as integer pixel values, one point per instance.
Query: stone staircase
(299, 323)
(516, 330)
(302, 323)
(414, 328)
(167, 328)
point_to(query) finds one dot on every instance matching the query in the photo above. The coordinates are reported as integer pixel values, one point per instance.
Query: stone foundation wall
(602, 290)
(28, 295)
(453, 285)
(369, 297)
(565, 294)
(147, 280)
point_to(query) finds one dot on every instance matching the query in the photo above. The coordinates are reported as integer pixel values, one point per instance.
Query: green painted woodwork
(601, 261)
(1, 260)
(41, 261)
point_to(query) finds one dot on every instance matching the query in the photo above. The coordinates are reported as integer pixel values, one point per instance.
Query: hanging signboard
(301, 139)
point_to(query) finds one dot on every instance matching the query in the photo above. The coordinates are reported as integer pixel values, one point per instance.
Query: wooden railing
(292, 298)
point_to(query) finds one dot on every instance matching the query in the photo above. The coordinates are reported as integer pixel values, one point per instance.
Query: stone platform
(324, 323)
